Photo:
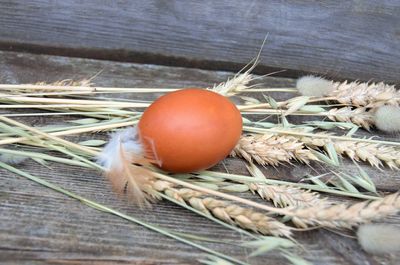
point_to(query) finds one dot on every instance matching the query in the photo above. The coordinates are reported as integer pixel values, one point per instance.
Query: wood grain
(40, 226)
(342, 39)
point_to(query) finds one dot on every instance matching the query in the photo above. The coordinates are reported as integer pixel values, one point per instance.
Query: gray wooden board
(346, 39)
(40, 226)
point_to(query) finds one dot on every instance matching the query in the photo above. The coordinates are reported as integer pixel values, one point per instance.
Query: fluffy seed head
(379, 238)
(314, 86)
(387, 118)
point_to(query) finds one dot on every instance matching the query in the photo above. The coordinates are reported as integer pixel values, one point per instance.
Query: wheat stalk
(73, 131)
(270, 149)
(346, 216)
(374, 154)
(225, 211)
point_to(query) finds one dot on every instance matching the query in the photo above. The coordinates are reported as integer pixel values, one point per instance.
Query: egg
(189, 130)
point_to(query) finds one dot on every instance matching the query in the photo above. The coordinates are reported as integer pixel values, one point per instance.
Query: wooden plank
(39, 226)
(341, 39)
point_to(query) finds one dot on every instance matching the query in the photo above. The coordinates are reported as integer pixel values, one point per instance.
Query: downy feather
(124, 160)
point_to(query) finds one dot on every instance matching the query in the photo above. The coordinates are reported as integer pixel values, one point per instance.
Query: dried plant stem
(346, 216)
(79, 90)
(272, 89)
(83, 89)
(101, 114)
(270, 149)
(374, 154)
(104, 104)
(48, 136)
(63, 101)
(95, 128)
(44, 157)
(228, 212)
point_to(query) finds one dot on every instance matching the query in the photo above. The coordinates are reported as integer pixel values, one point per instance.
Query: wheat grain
(225, 211)
(270, 149)
(346, 216)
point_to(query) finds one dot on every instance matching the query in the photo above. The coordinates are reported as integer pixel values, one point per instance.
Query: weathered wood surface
(346, 39)
(40, 226)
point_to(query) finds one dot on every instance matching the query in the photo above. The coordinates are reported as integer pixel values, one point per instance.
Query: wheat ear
(358, 116)
(374, 154)
(368, 94)
(346, 216)
(282, 195)
(69, 82)
(270, 149)
(230, 213)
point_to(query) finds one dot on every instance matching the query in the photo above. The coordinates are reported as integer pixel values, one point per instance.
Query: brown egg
(190, 130)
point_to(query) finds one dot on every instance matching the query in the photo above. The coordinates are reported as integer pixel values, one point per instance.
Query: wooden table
(40, 226)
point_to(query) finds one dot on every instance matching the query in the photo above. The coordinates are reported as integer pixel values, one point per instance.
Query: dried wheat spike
(346, 216)
(68, 83)
(283, 195)
(376, 155)
(369, 95)
(225, 211)
(358, 116)
(270, 149)
(236, 85)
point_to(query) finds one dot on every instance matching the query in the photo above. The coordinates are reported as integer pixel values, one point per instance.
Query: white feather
(125, 166)
(314, 86)
(12, 159)
(387, 118)
(379, 238)
(128, 140)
